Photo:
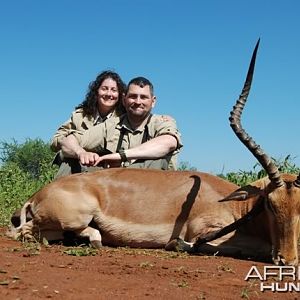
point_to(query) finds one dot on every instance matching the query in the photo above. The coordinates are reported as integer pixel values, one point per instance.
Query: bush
(25, 169)
(243, 178)
(30, 157)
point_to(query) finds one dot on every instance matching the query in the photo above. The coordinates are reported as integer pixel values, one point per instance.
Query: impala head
(282, 205)
(280, 192)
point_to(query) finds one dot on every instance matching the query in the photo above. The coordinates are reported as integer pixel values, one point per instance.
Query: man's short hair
(141, 82)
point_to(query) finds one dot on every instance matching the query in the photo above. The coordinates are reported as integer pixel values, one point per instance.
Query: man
(136, 139)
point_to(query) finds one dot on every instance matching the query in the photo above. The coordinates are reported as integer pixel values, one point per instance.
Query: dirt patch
(30, 271)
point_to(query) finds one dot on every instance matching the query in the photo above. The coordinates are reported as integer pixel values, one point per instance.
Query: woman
(103, 100)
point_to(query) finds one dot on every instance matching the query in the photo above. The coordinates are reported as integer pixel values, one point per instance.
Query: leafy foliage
(24, 170)
(31, 157)
(243, 178)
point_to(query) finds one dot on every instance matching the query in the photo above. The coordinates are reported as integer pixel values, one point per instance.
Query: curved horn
(235, 123)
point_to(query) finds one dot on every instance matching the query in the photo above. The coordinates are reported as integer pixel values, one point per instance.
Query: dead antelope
(171, 209)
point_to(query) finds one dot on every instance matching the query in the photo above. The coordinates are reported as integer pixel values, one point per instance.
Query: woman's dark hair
(89, 105)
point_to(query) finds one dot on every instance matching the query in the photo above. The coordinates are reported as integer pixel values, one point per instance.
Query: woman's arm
(71, 148)
(73, 124)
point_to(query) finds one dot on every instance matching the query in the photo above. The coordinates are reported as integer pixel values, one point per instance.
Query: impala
(193, 211)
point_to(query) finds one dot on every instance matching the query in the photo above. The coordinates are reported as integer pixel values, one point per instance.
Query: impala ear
(244, 193)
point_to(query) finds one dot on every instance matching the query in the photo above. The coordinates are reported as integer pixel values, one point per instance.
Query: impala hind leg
(92, 234)
(26, 231)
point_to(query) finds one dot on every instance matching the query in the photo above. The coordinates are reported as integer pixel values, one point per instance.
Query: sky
(195, 52)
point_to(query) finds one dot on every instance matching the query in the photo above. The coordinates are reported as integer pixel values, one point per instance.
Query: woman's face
(108, 95)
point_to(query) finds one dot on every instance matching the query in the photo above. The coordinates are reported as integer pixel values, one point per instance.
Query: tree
(32, 157)
(25, 168)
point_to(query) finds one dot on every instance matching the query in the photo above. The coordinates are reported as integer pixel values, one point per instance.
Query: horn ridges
(235, 123)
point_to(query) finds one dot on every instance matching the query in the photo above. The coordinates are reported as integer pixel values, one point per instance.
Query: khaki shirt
(106, 136)
(78, 122)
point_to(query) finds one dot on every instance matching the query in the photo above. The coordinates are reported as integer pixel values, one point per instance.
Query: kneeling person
(136, 139)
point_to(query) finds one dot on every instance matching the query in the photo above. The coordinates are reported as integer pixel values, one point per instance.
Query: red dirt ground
(30, 271)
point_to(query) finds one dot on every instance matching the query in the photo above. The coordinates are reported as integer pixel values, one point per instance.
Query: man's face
(139, 101)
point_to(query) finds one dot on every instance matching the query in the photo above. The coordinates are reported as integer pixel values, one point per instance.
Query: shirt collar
(99, 119)
(124, 123)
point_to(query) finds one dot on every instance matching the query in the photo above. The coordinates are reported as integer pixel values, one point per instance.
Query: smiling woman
(103, 100)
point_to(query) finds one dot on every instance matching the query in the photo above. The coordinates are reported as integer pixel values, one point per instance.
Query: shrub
(25, 169)
(243, 178)
(30, 156)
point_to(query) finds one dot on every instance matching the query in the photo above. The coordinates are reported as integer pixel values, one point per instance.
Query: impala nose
(282, 261)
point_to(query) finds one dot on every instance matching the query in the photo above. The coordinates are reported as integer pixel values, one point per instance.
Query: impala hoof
(179, 245)
(96, 244)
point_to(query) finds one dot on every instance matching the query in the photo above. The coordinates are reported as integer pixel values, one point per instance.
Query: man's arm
(155, 148)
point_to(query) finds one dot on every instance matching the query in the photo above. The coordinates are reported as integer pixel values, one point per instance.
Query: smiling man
(136, 139)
